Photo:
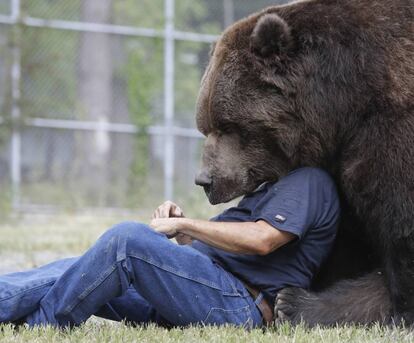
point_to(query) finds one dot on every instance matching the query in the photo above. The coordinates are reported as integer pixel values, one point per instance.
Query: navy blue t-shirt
(304, 203)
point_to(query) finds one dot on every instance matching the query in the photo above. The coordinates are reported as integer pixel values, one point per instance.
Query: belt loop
(259, 299)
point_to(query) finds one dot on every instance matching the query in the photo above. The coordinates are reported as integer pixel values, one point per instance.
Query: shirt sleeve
(298, 202)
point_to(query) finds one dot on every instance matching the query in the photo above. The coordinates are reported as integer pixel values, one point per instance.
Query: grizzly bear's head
(238, 107)
(276, 95)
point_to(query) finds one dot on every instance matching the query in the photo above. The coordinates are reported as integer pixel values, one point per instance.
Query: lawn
(34, 240)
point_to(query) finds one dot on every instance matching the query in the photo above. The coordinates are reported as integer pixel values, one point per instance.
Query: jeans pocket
(219, 316)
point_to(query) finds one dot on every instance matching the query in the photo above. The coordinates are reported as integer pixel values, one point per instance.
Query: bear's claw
(288, 305)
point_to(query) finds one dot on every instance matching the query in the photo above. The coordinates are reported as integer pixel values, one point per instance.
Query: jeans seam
(237, 310)
(27, 289)
(90, 289)
(183, 275)
(231, 281)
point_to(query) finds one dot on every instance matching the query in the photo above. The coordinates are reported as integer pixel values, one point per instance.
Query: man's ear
(271, 36)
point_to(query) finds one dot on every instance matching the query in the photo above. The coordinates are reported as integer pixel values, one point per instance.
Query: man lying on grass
(225, 271)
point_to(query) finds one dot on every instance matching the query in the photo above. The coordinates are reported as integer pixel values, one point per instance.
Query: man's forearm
(241, 238)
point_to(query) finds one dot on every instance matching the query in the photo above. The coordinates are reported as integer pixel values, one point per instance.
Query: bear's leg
(399, 271)
(361, 301)
(378, 183)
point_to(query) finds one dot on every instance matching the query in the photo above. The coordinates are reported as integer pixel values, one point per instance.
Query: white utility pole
(169, 146)
(15, 151)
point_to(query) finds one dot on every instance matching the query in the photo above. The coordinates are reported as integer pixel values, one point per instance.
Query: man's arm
(168, 210)
(256, 238)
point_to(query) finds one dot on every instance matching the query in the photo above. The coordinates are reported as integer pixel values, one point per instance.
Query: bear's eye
(227, 128)
(244, 137)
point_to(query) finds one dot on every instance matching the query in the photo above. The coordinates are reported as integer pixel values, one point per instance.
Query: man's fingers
(156, 214)
(183, 239)
(177, 212)
(162, 211)
(166, 226)
(165, 209)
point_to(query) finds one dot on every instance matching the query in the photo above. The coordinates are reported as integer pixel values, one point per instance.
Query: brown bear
(326, 83)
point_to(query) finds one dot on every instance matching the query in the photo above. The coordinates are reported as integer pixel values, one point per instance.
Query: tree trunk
(95, 76)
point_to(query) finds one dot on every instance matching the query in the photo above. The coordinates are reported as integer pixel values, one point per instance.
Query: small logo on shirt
(280, 218)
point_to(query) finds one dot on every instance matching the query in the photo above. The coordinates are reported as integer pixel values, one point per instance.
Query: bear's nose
(203, 179)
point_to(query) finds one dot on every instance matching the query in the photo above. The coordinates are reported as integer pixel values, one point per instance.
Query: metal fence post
(169, 66)
(15, 158)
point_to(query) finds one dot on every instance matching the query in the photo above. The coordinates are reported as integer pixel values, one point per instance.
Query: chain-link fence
(97, 98)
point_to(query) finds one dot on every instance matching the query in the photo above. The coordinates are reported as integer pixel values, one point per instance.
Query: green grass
(32, 241)
(108, 332)
(94, 331)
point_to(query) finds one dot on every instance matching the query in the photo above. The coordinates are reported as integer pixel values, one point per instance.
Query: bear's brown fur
(326, 83)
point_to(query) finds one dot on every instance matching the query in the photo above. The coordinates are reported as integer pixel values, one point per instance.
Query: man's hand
(167, 226)
(183, 239)
(169, 210)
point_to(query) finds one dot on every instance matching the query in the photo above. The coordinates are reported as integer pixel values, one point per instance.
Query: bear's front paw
(290, 305)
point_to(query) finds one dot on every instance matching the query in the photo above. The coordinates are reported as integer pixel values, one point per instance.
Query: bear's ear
(271, 36)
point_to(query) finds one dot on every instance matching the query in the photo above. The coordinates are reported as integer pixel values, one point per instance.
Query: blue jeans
(132, 273)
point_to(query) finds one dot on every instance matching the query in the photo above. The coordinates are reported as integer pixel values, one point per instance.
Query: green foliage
(4, 7)
(188, 73)
(5, 128)
(195, 16)
(49, 70)
(192, 16)
(143, 13)
(144, 87)
(10, 37)
(48, 62)
(56, 9)
(5, 202)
